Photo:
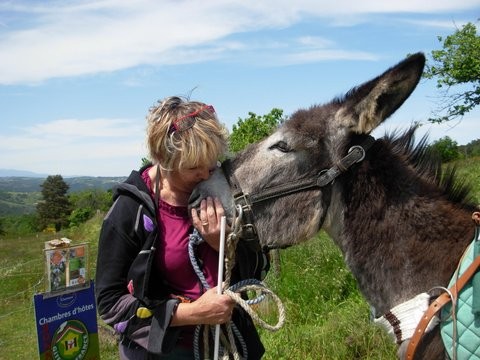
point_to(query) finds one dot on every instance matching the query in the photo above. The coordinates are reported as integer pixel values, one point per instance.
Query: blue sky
(77, 77)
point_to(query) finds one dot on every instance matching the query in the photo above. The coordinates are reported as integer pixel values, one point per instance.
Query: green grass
(469, 171)
(326, 317)
(22, 273)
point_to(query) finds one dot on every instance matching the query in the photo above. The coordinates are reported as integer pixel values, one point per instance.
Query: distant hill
(21, 173)
(22, 184)
(20, 194)
(32, 184)
(88, 182)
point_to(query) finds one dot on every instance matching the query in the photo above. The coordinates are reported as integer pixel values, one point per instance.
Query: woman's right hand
(211, 309)
(208, 221)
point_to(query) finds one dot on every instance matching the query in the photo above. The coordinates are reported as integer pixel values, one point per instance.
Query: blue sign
(67, 324)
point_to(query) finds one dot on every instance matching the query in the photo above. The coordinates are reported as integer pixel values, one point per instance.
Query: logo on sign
(66, 300)
(70, 341)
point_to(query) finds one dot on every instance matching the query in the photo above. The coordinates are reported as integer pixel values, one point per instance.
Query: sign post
(66, 315)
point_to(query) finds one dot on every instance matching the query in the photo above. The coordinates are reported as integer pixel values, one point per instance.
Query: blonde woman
(146, 287)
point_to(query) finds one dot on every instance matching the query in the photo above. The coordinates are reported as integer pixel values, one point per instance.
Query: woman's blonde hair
(184, 134)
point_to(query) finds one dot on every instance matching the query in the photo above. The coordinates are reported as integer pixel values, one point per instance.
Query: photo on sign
(77, 265)
(66, 266)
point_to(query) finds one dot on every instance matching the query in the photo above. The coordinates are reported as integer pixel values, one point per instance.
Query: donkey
(401, 222)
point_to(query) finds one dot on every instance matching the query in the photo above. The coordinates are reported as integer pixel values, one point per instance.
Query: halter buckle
(248, 231)
(358, 149)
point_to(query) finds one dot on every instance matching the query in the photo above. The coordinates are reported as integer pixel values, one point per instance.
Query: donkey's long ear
(367, 105)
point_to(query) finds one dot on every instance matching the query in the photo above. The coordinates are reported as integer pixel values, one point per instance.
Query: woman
(146, 287)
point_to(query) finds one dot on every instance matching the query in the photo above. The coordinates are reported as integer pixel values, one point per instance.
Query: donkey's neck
(397, 246)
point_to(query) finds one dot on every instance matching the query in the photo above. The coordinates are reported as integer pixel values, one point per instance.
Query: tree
(2, 227)
(254, 128)
(79, 216)
(55, 207)
(92, 199)
(145, 161)
(457, 66)
(473, 148)
(446, 148)
(86, 203)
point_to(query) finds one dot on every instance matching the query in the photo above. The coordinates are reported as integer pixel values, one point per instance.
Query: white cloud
(86, 37)
(327, 54)
(314, 41)
(378, 6)
(67, 146)
(313, 49)
(448, 25)
(76, 129)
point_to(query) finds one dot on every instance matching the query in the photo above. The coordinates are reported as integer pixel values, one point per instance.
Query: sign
(67, 324)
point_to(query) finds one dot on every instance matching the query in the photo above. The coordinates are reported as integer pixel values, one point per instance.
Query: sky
(77, 77)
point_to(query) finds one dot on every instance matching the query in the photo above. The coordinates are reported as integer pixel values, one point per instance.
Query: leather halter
(325, 177)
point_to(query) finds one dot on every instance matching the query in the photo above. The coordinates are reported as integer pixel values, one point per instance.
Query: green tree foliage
(2, 227)
(254, 128)
(79, 216)
(471, 149)
(93, 199)
(55, 207)
(457, 70)
(446, 148)
(20, 225)
(86, 203)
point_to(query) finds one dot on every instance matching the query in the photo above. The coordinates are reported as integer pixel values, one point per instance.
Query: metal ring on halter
(443, 289)
(240, 211)
(452, 314)
(450, 295)
(238, 218)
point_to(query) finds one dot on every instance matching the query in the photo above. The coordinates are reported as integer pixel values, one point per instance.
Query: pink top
(172, 259)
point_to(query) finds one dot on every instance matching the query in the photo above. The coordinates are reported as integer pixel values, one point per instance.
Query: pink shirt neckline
(172, 258)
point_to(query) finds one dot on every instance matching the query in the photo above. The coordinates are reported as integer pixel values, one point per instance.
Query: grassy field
(469, 171)
(326, 317)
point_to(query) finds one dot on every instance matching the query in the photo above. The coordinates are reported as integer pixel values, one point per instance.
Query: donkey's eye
(281, 146)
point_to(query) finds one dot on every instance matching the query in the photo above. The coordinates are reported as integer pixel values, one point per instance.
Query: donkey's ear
(367, 105)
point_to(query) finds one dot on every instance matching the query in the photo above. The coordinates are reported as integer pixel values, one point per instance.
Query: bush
(446, 148)
(79, 216)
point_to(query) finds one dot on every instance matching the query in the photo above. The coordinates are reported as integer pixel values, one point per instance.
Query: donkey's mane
(427, 164)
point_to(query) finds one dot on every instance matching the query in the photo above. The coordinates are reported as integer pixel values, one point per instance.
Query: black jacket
(126, 250)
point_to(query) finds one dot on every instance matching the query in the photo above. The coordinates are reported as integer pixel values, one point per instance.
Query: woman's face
(187, 179)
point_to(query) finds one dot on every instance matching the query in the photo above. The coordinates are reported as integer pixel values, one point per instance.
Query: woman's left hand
(209, 220)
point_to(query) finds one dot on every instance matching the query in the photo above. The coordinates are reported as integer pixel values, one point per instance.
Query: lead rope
(228, 343)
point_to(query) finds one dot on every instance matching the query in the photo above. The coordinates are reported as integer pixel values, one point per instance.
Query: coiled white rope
(253, 285)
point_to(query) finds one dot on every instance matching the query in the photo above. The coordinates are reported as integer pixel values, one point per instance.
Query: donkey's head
(285, 182)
